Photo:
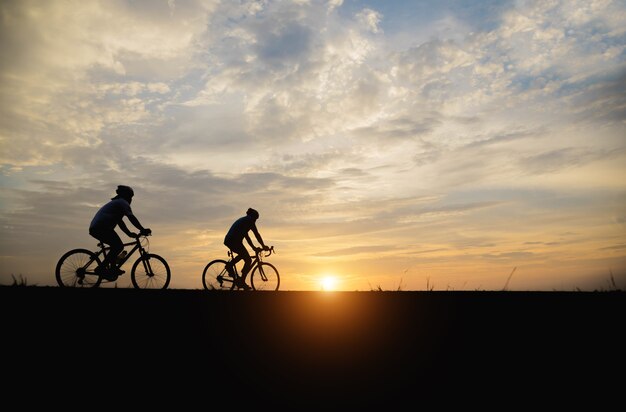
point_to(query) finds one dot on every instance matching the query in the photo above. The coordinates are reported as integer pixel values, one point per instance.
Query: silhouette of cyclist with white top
(103, 225)
(234, 241)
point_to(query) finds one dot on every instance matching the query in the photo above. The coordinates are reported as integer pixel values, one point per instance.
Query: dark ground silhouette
(301, 350)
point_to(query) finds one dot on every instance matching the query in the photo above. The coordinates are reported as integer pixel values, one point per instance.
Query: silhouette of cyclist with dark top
(234, 241)
(103, 225)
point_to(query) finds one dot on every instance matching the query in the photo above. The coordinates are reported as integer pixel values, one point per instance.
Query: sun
(329, 283)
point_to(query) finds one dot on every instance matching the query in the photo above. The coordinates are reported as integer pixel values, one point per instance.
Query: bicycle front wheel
(265, 277)
(76, 269)
(150, 271)
(216, 277)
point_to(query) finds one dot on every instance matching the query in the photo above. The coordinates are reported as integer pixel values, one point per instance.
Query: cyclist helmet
(253, 213)
(124, 191)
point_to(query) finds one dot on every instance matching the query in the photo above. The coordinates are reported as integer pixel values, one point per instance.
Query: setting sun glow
(328, 283)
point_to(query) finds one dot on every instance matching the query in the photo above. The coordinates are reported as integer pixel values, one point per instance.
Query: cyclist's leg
(241, 254)
(247, 263)
(235, 249)
(230, 266)
(109, 237)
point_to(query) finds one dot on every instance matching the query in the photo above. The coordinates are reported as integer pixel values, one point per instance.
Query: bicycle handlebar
(138, 238)
(269, 250)
(258, 250)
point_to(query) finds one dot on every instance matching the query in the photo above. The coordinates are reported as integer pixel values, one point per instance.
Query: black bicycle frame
(255, 262)
(136, 245)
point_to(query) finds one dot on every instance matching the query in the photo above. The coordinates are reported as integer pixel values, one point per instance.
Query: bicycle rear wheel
(76, 268)
(153, 273)
(265, 277)
(216, 277)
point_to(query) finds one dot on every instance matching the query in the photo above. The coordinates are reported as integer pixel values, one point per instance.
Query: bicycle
(76, 267)
(263, 275)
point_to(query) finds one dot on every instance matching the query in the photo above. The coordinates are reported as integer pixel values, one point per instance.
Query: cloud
(400, 128)
(357, 250)
(59, 65)
(284, 47)
(370, 19)
(516, 256)
(557, 160)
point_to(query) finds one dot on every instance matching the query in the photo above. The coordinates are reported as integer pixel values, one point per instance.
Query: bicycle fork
(145, 260)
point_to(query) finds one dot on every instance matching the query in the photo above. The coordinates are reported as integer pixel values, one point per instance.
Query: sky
(394, 145)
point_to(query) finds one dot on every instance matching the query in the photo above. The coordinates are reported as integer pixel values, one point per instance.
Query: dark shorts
(107, 236)
(239, 249)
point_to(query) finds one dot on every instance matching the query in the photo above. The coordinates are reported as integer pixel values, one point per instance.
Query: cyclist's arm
(250, 242)
(258, 237)
(125, 229)
(136, 223)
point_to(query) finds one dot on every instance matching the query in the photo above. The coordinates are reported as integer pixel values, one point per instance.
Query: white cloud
(370, 19)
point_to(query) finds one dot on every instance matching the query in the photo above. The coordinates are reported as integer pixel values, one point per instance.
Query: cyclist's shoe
(241, 284)
(108, 275)
(111, 277)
